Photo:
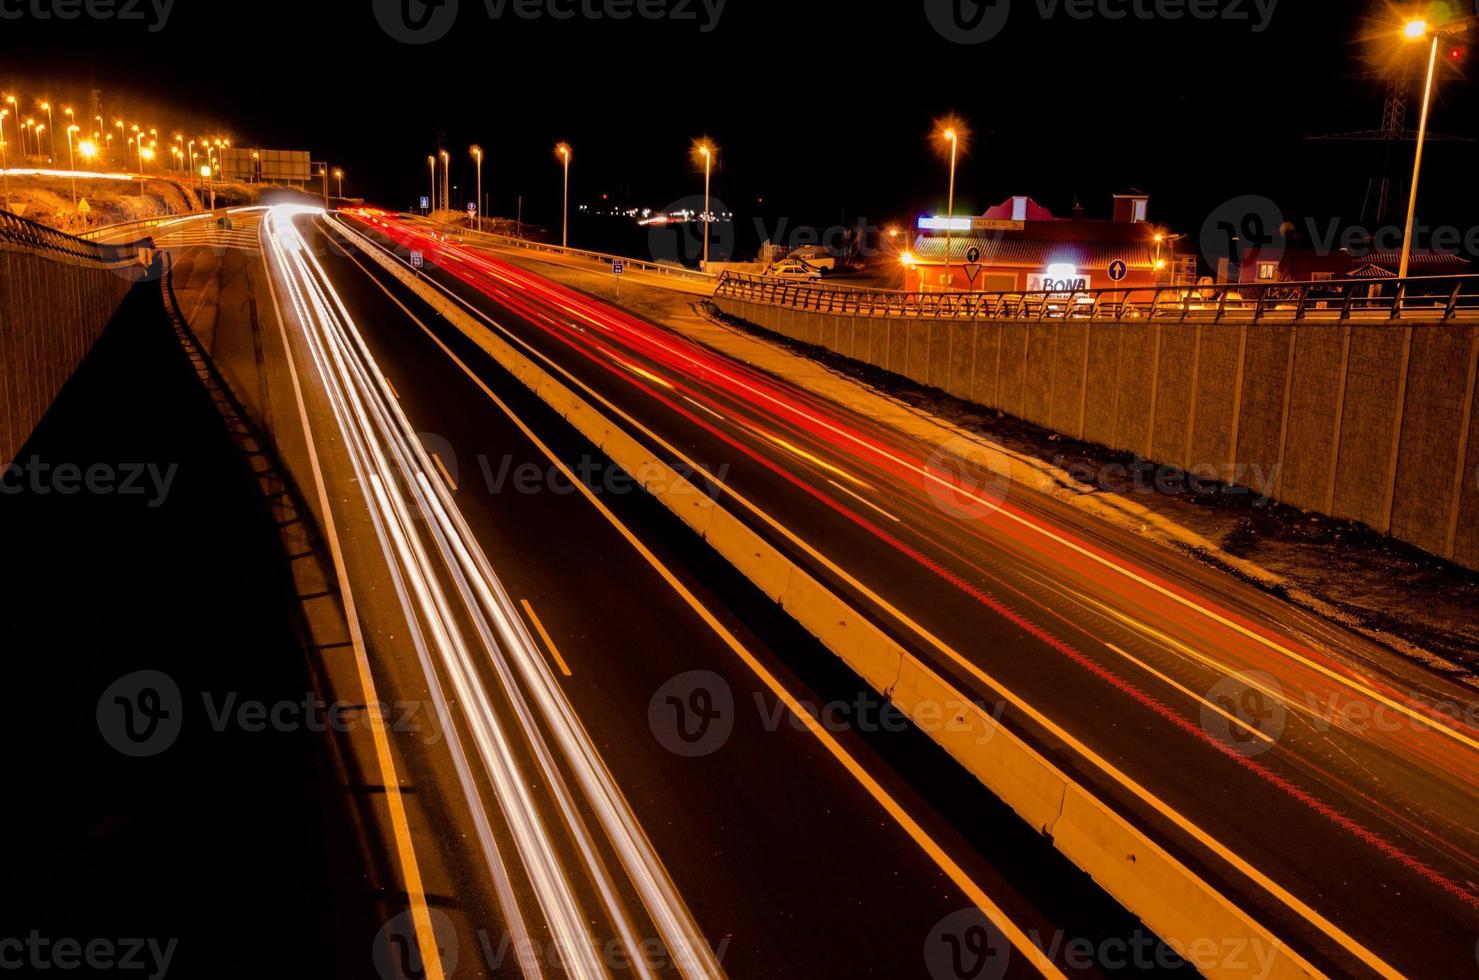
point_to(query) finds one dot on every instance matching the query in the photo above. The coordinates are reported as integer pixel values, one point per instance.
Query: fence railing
(634, 265)
(20, 231)
(1431, 299)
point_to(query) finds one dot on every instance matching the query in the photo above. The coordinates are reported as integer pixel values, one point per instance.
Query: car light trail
(414, 516)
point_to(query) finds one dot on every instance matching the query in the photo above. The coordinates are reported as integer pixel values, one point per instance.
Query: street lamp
(563, 151)
(49, 124)
(72, 159)
(339, 176)
(4, 163)
(446, 180)
(706, 150)
(431, 162)
(477, 152)
(951, 133)
(1418, 30)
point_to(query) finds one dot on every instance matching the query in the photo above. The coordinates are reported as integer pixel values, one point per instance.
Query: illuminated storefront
(1021, 246)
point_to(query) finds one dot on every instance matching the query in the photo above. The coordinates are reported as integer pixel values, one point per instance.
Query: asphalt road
(602, 647)
(1324, 783)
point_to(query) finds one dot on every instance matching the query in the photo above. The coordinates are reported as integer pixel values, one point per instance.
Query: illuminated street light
(49, 123)
(72, 158)
(431, 162)
(4, 163)
(706, 150)
(952, 132)
(477, 152)
(1417, 30)
(563, 152)
(339, 176)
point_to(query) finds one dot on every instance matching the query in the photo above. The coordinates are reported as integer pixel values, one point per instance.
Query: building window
(1140, 210)
(1268, 271)
(1322, 277)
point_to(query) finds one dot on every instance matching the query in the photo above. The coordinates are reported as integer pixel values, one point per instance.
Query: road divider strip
(1173, 901)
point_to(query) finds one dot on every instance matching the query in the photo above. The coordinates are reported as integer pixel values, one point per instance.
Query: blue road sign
(417, 261)
(472, 208)
(1118, 269)
(618, 267)
(425, 202)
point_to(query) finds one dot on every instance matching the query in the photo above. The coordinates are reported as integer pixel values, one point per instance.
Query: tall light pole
(1419, 30)
(706, 150)
(72, 160)
(446, 180)
(477, 152)
(339, 176)
(15, 113)
(563, 150)
(122, 146)
(953, 136)
(4, 162)
(49, 125)
(431, 162)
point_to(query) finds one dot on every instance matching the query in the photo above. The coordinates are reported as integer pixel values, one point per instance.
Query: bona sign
(1057, 279)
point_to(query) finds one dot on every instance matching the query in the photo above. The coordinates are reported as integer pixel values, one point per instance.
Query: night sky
(822, 108)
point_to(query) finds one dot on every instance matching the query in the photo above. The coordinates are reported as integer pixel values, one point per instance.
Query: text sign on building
(1048, 282)
(997, 224)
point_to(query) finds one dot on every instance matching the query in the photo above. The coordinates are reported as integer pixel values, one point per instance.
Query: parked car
(818, 256)
(795, 269)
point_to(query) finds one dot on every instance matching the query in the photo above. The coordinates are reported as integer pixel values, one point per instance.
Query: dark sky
(821, 106)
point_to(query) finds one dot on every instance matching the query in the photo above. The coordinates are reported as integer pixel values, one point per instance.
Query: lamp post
(431, 162)
(339, 176)
(15, 113)
(4, 162)
(446, 180)
(954, 138)
(563, 150)
(706, 150)
(72, 161)
(1419, 30)
(49, 124)
(477, 152)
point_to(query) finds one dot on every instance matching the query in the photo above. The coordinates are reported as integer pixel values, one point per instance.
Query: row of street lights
(704, 149)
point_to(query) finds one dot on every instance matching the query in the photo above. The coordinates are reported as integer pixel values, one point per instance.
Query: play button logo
(416, 21)
(967, 21)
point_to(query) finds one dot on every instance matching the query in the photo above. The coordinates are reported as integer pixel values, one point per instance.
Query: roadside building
(1295, 260)
(1019, 245)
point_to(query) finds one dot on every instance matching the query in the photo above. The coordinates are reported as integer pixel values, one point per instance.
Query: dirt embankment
(48, 200)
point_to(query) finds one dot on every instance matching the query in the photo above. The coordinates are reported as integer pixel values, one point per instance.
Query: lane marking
(392, 388)
(703, 408)
(544, 635)
(880, 795)
(442, 468)
(426, 939)
(864, 500)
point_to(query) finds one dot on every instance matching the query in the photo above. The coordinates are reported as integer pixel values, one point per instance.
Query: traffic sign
(83, 207)
(472, 208)
(417, 260)
(618, 267)
(425, 202)
(972, 271)
(1118, 270)
(973, 255)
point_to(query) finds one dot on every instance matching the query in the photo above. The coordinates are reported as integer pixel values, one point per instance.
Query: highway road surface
(1327, 787)
(631, 762)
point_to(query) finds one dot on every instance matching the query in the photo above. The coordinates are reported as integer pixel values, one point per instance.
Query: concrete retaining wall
(52, 308)
(1374, 421)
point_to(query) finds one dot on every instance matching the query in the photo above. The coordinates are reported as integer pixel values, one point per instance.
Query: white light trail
(411, 508)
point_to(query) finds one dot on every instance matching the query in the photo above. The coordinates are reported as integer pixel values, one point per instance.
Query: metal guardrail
(635, 265)
(1439, 299)
(29, 234)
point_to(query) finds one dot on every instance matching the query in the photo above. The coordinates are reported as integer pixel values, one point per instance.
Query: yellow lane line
(544, 635)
